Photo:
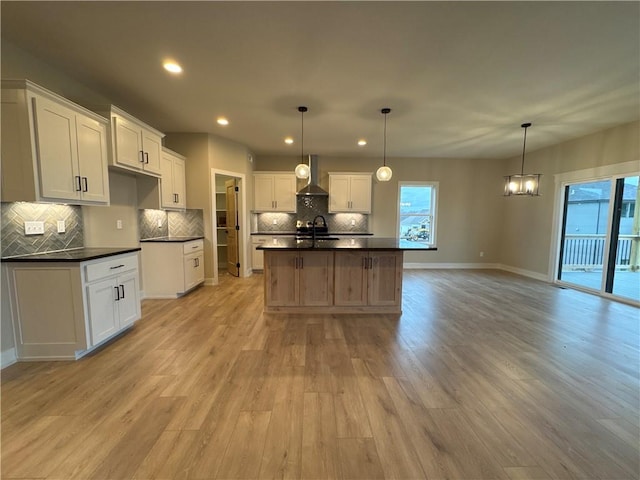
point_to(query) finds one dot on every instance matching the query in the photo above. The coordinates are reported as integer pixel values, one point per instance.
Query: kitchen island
(340, 275)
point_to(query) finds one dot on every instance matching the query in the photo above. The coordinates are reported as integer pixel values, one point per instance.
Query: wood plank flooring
(486, 375)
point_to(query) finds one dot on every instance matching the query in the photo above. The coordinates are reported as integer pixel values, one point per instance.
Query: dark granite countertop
(172, 239)
(75, 255)
(332, 234)
(365, 243)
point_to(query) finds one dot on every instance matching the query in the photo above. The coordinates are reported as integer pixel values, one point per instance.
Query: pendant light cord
(384, 143)
(524, 145)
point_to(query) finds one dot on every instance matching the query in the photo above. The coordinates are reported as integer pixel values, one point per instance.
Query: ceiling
(460, 77)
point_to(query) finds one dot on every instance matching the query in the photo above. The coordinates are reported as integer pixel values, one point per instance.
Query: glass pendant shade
(383, 174)
(522, 183)
(302, 170)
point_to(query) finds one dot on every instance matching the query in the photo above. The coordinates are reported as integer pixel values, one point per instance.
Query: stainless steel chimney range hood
(312, 187)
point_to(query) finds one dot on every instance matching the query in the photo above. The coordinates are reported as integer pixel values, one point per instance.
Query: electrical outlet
(61, 226)
(275, 221)
(159, 223)
(119, 224)
(482, 254)
(33, 228)
(353, 222)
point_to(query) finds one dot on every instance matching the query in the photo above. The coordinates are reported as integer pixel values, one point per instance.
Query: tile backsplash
(160, 223)
(307, 207)
(14, 240)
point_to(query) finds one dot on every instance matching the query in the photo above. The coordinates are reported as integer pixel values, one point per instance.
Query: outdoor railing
(587, 251)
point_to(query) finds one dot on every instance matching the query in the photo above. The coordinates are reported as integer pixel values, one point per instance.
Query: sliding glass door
(600, 233)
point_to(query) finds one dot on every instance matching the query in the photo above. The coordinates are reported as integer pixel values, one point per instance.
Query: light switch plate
(33, 228)
(61, 226)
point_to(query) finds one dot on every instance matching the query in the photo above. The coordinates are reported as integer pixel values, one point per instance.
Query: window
(417, 213)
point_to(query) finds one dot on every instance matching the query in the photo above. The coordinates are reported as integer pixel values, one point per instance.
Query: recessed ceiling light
(172, 67)
(362, 142)
(288, 140)
(222, 121)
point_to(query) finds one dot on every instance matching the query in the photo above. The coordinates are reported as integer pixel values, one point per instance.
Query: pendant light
(302, 169)
(384, 173)
(522, 183)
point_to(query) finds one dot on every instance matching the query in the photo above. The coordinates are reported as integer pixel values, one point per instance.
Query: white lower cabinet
(63, 310)
(170, 269)
(113, 305)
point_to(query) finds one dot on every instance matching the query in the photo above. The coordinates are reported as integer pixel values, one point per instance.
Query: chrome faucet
(313, 226)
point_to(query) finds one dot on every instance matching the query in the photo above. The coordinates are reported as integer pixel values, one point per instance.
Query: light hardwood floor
(485, 375)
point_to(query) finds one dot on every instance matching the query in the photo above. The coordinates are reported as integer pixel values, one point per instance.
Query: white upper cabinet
(52, 149)
(173, 181)
(136, 146)
(350, 192)
(274, 192)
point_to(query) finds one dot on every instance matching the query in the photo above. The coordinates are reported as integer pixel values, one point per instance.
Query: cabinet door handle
(85, 183)
(141, 156)
(364, 262)
(78, 183)
(175, 198)
(301, 263)
(117, 293)
(370, 263)
(122, 287)
(146, 157)
(295, 264)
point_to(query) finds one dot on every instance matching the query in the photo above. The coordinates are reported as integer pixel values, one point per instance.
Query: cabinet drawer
(193, 246)
(111, 266)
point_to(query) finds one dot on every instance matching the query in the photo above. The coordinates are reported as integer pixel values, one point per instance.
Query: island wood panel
(351, 278)
(281, 278)
(385, 278)
(316, 278)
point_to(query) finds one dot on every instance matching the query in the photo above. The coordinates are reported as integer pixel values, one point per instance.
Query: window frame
(435, 185)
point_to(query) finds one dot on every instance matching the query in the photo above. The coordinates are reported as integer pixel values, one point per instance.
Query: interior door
(233, 259)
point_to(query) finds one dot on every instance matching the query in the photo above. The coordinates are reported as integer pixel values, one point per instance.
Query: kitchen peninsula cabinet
(171, 266)
(274, 192)
(65, 304)
(135, 146)
(299, 279)
(350, 192)
(52, 149)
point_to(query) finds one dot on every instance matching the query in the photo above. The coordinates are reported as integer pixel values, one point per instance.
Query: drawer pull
(117, 266)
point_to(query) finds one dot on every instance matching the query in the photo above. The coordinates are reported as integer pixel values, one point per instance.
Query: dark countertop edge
(276, 248)
(172, 239)
(331, 234)
(83, 255)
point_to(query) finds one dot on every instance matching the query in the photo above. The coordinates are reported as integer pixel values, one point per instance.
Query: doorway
(228, 220)
(600, 233)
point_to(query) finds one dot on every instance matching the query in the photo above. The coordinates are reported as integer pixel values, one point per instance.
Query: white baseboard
(450, 266)
(525, 273)
(8, 357)
(477, 266)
